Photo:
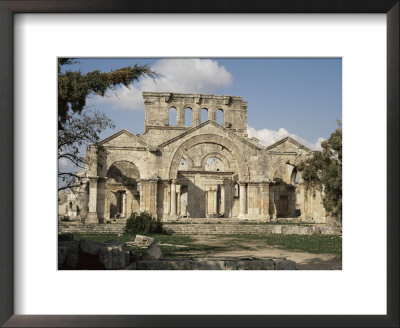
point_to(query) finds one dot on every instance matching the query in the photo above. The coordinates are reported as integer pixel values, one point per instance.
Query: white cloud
(178, 75)
(268, 137)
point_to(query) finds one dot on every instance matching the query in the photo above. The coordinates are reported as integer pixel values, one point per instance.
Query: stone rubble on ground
(143, 240)
(152, 253)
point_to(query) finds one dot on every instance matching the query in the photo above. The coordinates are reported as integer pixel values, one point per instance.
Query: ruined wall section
(158, 104)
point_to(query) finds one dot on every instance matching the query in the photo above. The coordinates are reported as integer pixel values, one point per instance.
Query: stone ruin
(200, 169)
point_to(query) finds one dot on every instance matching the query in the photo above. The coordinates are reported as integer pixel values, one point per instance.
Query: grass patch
(316, 244)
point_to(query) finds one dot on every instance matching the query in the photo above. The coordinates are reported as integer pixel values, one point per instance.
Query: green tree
(79, 126)
(74, 87)
(323, 172)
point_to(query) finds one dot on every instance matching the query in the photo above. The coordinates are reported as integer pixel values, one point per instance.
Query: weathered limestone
(143, 240)
(206, 170)
(243, 199)
(152, 253)
(112, 257)
(173, 198)
(68, 254)
(92, 215)
(214, 264)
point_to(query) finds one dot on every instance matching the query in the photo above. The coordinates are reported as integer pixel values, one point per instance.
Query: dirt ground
(304, 261)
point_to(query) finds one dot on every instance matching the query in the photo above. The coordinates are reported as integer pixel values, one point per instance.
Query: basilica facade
(208, 169)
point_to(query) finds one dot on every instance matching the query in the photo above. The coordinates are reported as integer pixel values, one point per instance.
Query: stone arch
(188, 159)
(215, 139)
(141, 163)
(275, 167)
(221, 157)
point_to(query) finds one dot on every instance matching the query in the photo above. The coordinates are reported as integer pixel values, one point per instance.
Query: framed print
(34, 34)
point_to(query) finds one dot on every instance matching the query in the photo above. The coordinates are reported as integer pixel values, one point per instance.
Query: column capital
(151, 180)
(242, 183)
(93, 179)
(174, 181)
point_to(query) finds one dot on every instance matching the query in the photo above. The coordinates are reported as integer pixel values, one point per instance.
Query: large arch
(241, 163)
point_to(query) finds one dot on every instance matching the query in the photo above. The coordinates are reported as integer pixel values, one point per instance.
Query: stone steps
(217, 229)
(205, 228)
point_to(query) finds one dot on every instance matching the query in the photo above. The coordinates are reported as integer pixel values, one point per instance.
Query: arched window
(182, 165)
(203, 115)
(220, 116)
(214, 164)
(172, 116)
(188, 116)
(295, 177)
(236, 190)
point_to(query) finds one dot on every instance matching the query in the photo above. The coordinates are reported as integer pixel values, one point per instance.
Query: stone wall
(210, 228)
(215, 264)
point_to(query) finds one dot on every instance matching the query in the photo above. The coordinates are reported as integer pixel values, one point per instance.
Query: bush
(143, 223)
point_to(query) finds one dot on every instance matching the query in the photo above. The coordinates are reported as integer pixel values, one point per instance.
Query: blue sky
(297, 97)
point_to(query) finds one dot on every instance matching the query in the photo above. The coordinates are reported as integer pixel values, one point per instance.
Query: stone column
(215, 208)
(222, 209)
(142, 195)
(196, 115)
(179, 209)
(243, 198)
(166, 202)
(123, 199)
(265, 200)
(107, 207)
(212, 114)
(173, 198)
(153, 197)
(180, 118)
(92, 215)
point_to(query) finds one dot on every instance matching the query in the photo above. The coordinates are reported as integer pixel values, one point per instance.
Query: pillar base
(92, 218)
(242, 216)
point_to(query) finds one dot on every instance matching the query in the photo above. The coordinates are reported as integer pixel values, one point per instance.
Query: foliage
(79, 130)
(143, 223)
(79, 126)
(323, 172)
(75, 87)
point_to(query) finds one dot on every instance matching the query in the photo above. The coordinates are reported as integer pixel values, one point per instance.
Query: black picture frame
(10, 7)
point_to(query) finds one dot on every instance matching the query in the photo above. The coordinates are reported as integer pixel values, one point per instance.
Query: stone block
(317, 230)
(255, 265)
(277, 230)
(127, 257)
(143, 240)
(208, 265)
(282, 264)
(65, 237)
(152, 253)
(90, 247)
(68, 254)
(327, 231)
(112, 257)
(305, 230)
(164, 265)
